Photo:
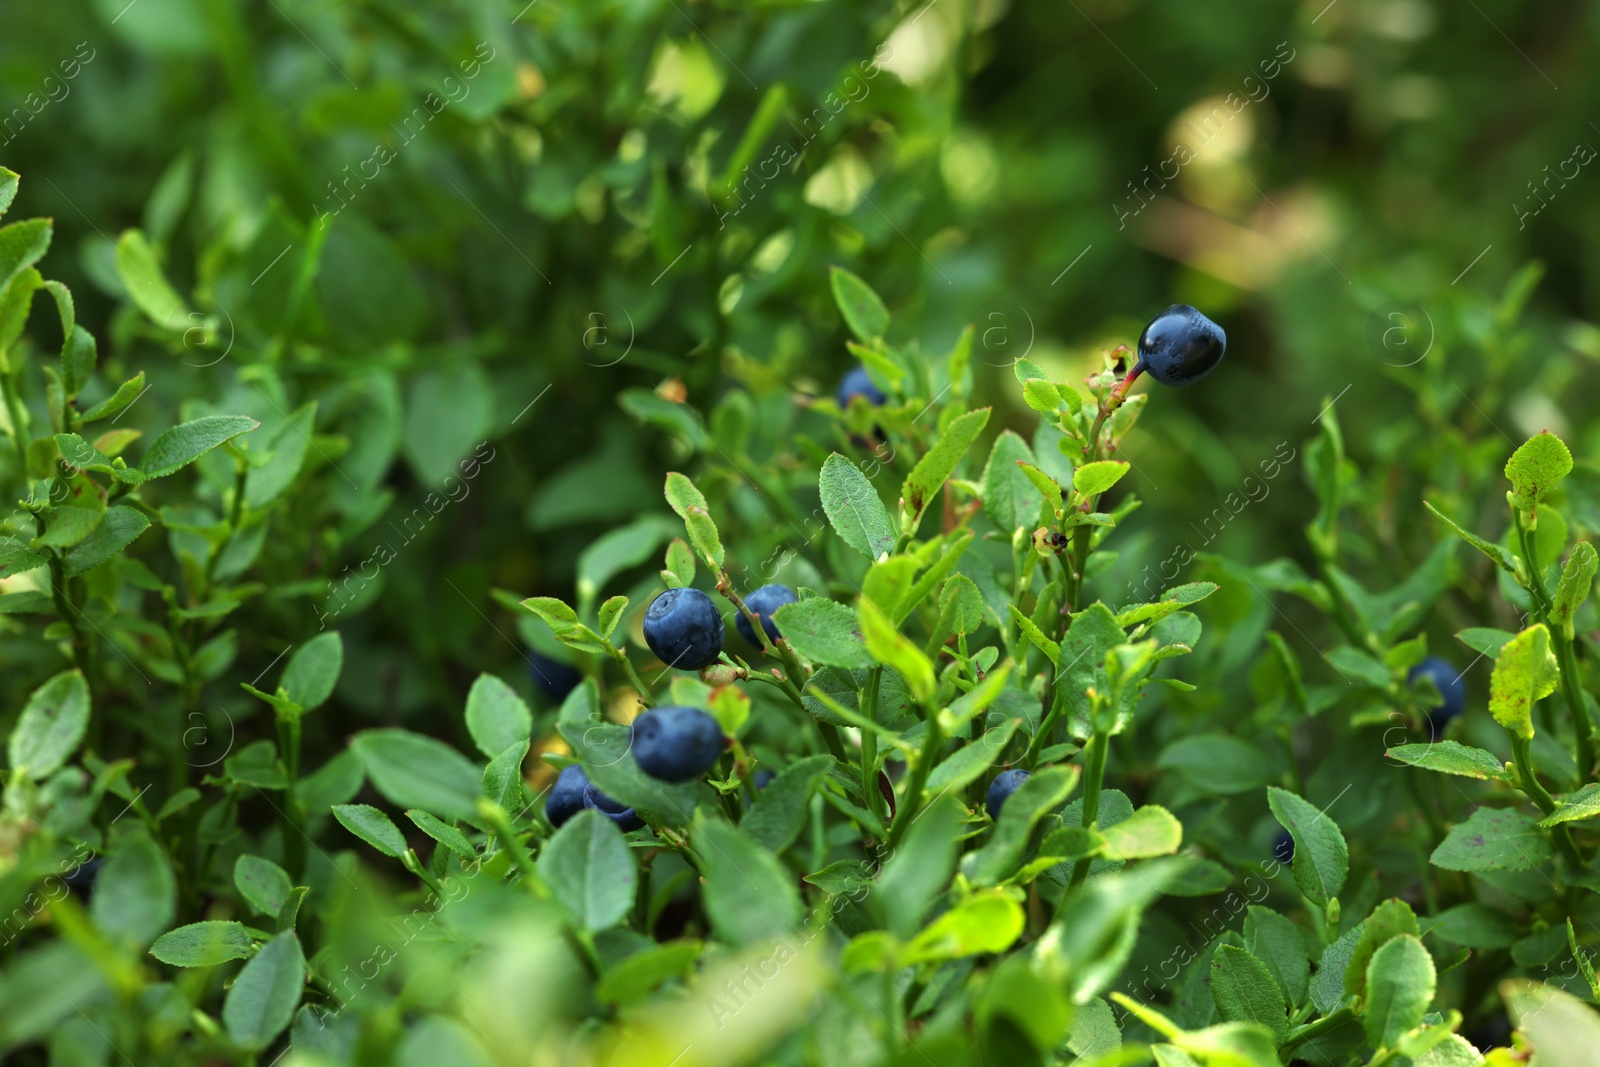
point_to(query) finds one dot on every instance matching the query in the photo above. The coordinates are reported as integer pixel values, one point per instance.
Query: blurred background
(454, 223)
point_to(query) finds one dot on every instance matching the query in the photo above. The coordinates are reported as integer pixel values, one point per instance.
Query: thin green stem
(911, 803)
(18, 418)
(1093, 778)
(1582, 728)
(1317, 1029)
(1528, 781)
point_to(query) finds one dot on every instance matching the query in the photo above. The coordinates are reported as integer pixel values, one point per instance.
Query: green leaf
(1400, 986)
(1562, 1029)
(823, 631)
(1327, 985)
(619, 550)
(863, 311)
(1035, 636)
(203, 944)
(984, 922)
(1220, 764)
(262, 1000)
(1583, 804)
(679, 573)
(1151, 831)
(748, 895)
(78, 355)
(1576, 578)
(1043, 792)
(853, 508)
(782, 807)
(918, 872)
(1008, 495)
(589, 870)
(633, 979)
(1493, 839)
(51, 725)
(1173, 600)
(182, 445)
(1485, 639)
(961, 607)
(1092, 479)
(682, 494)
(1278, 943)
(147, 283)
(1501, 557)
(117, 529)
(1388, 920)
(22, 244)
(414, 771)
(496, 716)
(1473, 925)
(1524, 673)
(926, 478)
(17, 557)
(1041, 395)
(563, 622)
(449, 411)
(8, 188)
(136, 894)
(1536, 468)
(373, 827)
(443, 832)
(888, 585)
(262, 883)
(968, 762)
(502, 778)
(126, 393)
(1246, 991)
(704, 537)
(287, 447)
(314, 669)
(1321, 857)
(1452, 757)
(889, 646)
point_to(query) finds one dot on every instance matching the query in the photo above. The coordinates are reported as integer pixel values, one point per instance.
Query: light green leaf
(314, 669)
(1043, 792)
(1246, 991)
(1150, 831)
(1536, 468)
(925, 479)
(1583, 804)
(863, 311)
(617, 551)
(262, 1000)
(1493, 839)
(1400, 986)
(51, 725)
(1452, 757)
(1562, 1029)
(136, 894)
(889, 646)
(182, 445)
(1278, 943)
(1524, 673)
(1092, 479)
(823, 631)
(704, 537)
(1321, 857)
(1388, 920)
(287, 447)
(1576, 578)
(590, 871)
(918, 872)
(126, 393)
(854, 509)
(1035, 636)
(22, 244)
(443, 832)
(373, 827)
(1501, 557)
(563, 622)
(203, 944)
(682, 494)
(262, 883)
(147, 283)
(985, 922)
(783, 805)
(496, 716)
(1041, 395)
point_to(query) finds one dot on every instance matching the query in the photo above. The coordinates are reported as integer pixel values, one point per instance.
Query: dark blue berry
(675, 744)
(682, 627)
(859, 383)
(554, 678)
(81, 878)
(566, 796)
(1005, 783)
(625, 818)
(763, 602)
(1283, 847)
(1452, 691)
(761, 778)
(1180, 346)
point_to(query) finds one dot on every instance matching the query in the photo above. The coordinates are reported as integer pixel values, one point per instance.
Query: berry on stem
(1178, 347)
(683, 629)
(1452, 692)
(763, 602)
(566, 796)
(625, 818)
(675, 743)
(858, 383)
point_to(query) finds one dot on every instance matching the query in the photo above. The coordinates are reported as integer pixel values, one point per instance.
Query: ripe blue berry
(675, 744)
(1005, 783)
(1283, 847)
(566, 796)
(82, 877)
(763, 602)
(625, 818)
(1452, 691)
(554, 678)
(859, 383)
(682, 627)
(1180, 346)
(762, 778)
